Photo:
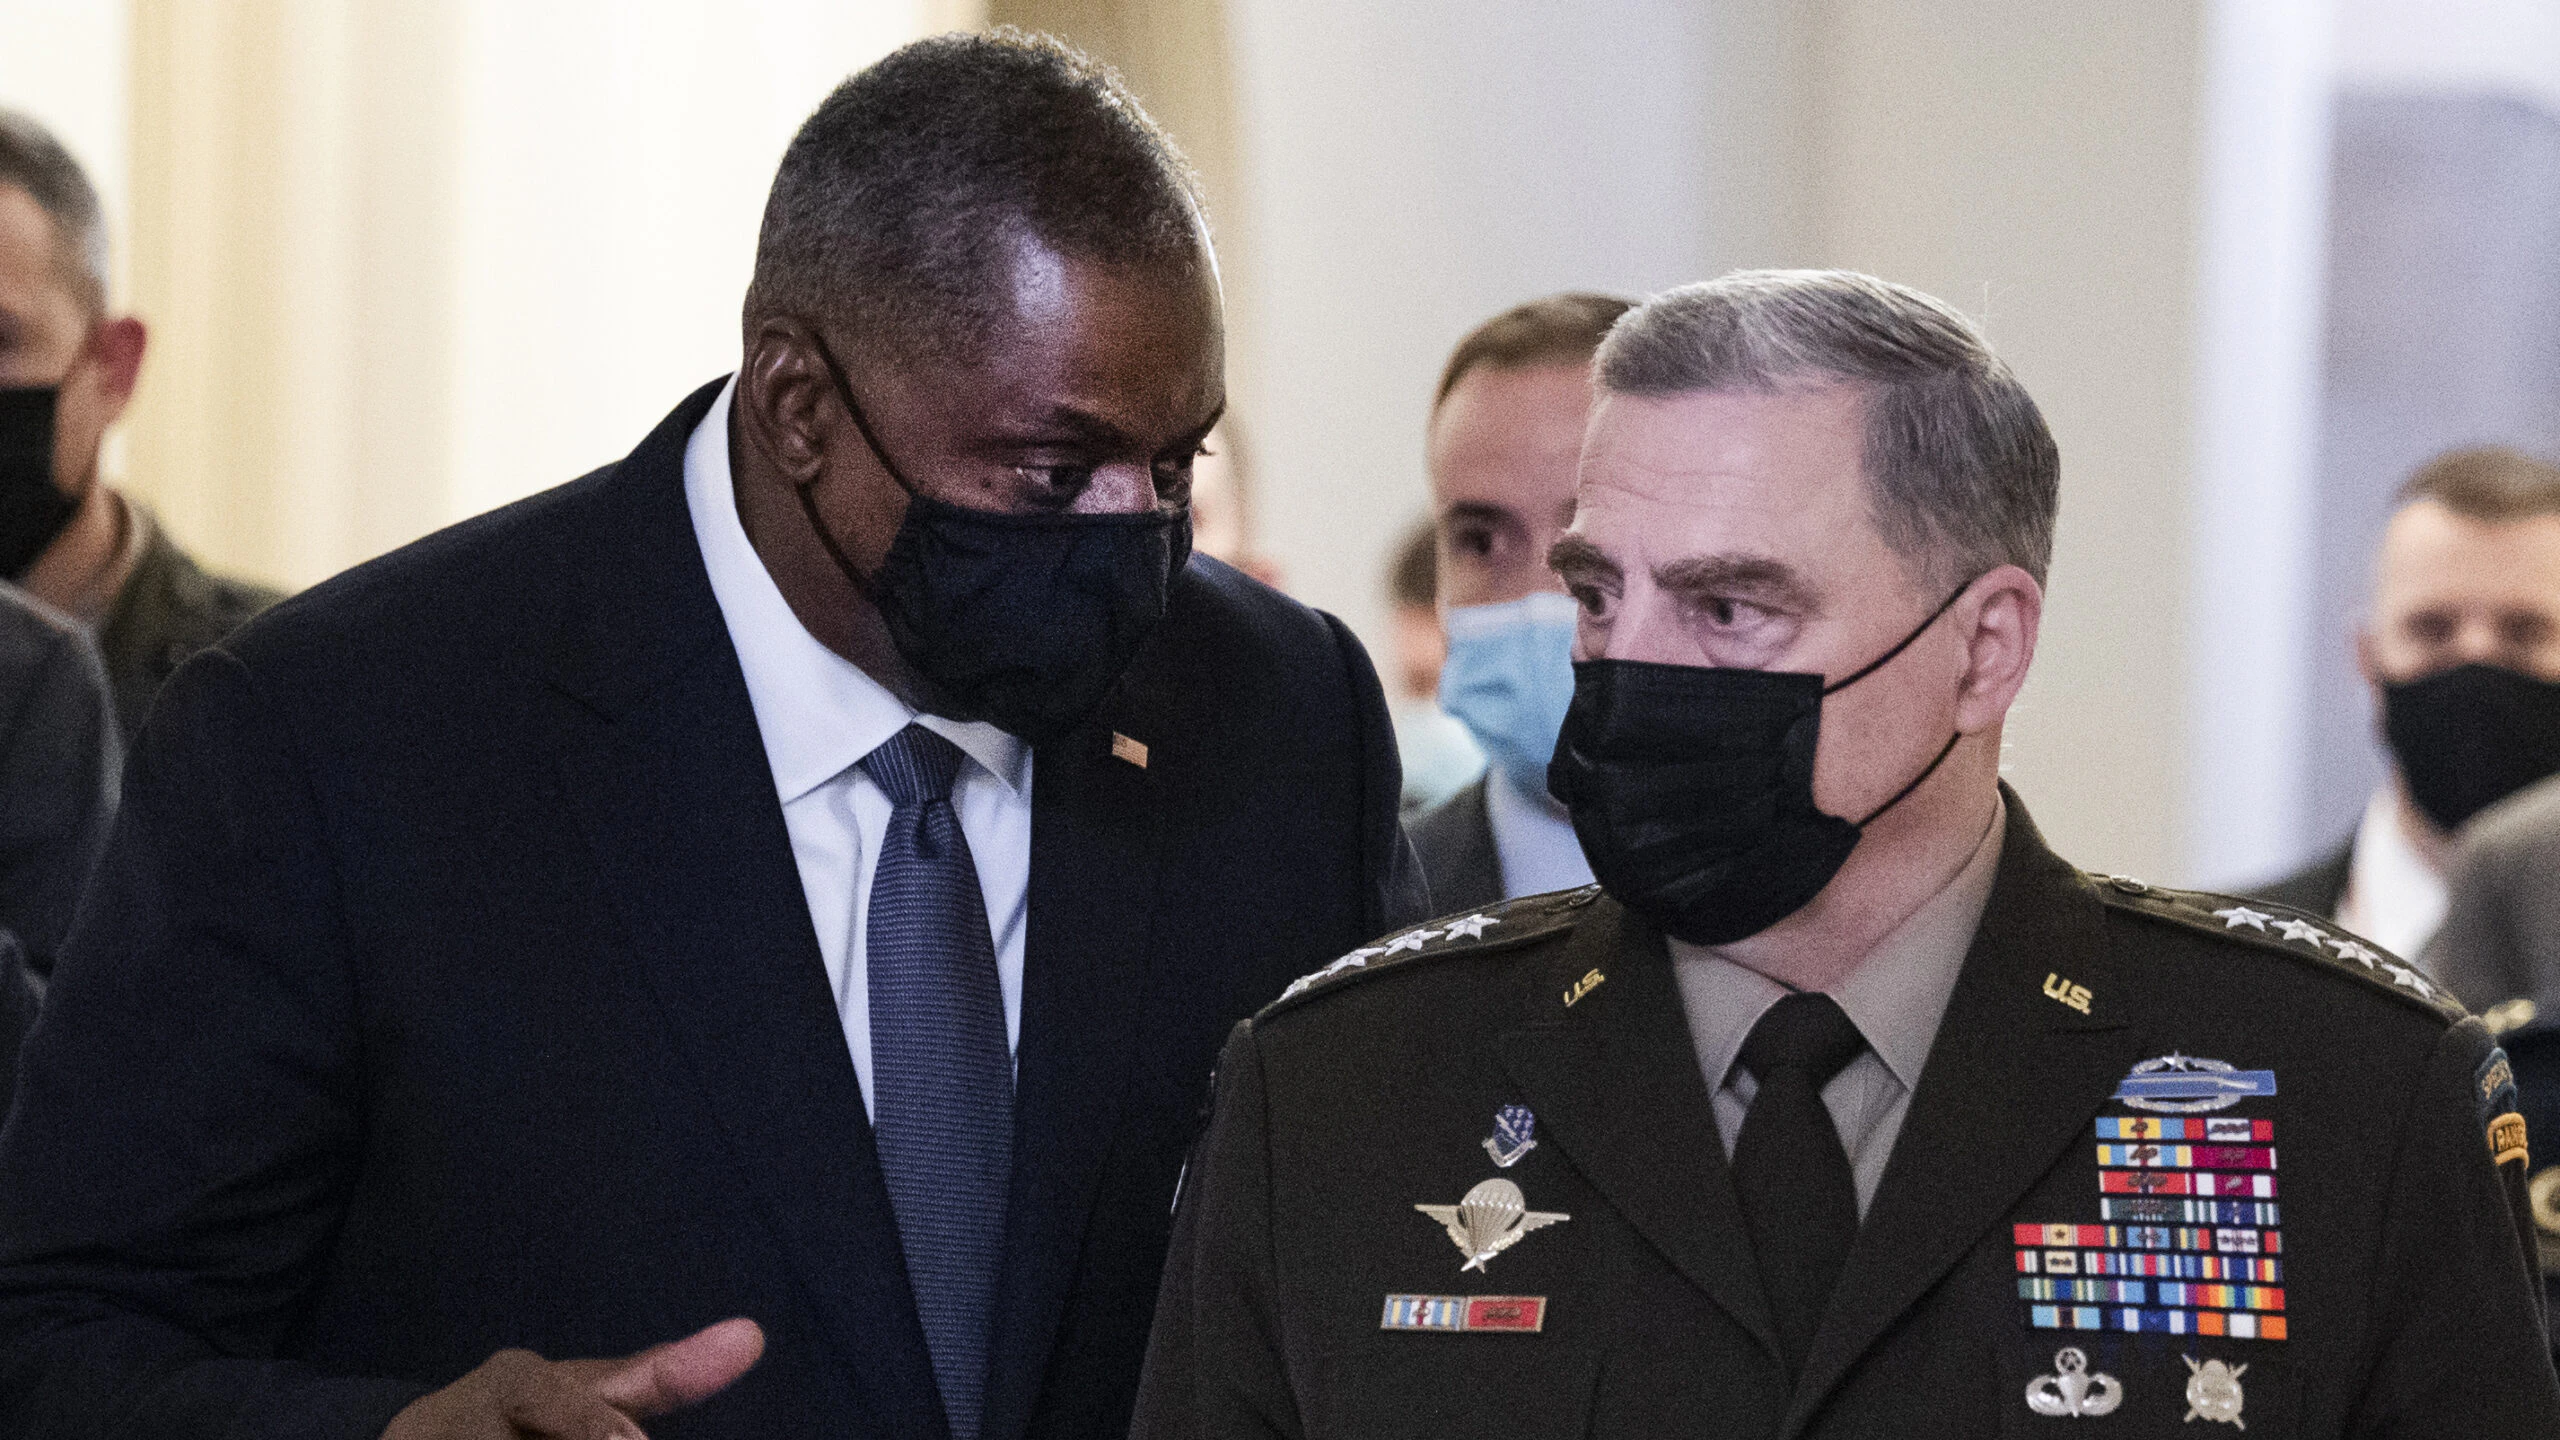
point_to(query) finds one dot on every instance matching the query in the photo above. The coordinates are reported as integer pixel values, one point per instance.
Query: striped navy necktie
(941, 1072)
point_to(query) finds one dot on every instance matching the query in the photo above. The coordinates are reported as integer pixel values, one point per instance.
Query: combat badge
(2213, 1391)
(2072, 1389)
(2186, 1085)
(1492, 1219)
(1514, 1134)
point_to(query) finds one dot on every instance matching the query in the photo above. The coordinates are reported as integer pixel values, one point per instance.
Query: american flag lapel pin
(1133, 751)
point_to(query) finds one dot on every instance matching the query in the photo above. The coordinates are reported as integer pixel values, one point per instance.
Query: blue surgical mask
(1509, 676)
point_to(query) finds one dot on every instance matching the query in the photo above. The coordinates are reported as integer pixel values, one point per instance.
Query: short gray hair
(32, 160)
(897, 204)
(1963, 474)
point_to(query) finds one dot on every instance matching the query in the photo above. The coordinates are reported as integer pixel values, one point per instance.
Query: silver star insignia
(2350, 950)
(2404, 976)
(1471, 927)
(2239, 915)
(1352, 961)
(2302, 930)
(1410, 940)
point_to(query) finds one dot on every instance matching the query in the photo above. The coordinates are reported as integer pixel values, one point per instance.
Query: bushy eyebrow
(1573, 556)
(1758, 579)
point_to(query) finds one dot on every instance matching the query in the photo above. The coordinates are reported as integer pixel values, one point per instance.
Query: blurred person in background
(67, 371)
(2463, 653)
(1439, 755)
(1222, 505)
(1505, 437)
(764, 911)
(60, 758)
(2500, 941)
(2499, 949)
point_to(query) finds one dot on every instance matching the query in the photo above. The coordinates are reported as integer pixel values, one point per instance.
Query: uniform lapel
(2013, 1079)
(1614, 1080)
(1095, 817)
(665, 771)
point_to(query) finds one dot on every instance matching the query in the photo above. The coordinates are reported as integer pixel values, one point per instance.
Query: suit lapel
(666, 772)
(1095, 822)
(1614, 1081)
(2013, 1079)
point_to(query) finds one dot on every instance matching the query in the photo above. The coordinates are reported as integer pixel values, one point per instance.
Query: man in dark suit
(1505, 433)
(68, 366)
(60, 758)
(1841, 1106)
(773, 901)
(2462, 652)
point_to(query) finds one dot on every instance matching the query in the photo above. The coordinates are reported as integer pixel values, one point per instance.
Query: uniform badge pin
(2073, 1389)
(2187, 1085)
(1492, 1219)
(1515, 1133)
(2213, 1391)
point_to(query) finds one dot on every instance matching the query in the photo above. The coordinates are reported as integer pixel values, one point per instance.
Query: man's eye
(1593, 600)
(1063, 479)
(2431, 628)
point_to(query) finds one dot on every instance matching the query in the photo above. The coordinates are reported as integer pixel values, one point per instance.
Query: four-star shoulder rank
(2284, 930)
(1467, 932)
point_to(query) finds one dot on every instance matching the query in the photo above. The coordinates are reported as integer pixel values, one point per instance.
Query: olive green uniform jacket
(2405, 1302)
(168, 609)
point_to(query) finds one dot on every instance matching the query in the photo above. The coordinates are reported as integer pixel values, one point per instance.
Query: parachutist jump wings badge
(1489, 1221)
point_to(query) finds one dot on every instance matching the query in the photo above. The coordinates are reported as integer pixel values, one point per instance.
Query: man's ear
(2001, 619)
(783, 397)
(118, 344)
(2366, 665)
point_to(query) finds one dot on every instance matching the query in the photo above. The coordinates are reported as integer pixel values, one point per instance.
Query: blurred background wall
(407, 259)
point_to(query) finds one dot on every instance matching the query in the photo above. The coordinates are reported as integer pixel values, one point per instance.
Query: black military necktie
(1789, 1168)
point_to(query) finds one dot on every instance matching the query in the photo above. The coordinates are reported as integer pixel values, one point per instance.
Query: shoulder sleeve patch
(1470, 932)
(2267, 926)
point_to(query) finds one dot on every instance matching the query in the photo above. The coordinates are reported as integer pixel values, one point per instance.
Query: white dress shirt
(2394, 897)
(1895, 997)
(819, 715)
(1533, 841)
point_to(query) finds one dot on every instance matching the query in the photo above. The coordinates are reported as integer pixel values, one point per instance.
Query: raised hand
(516, 1393)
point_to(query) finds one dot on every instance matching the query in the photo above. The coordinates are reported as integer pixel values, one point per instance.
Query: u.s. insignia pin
(1492, 1219)
(2213, 1391)
(2074, 1389)
(1515, 1133)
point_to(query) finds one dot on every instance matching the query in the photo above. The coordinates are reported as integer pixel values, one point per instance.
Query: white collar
(2394, 897)
(818, 712)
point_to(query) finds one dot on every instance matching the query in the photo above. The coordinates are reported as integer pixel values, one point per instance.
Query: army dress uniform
(1468, 1181)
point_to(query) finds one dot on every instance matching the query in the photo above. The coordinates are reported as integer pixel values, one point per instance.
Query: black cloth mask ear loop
(808, 502)
(1879, 663)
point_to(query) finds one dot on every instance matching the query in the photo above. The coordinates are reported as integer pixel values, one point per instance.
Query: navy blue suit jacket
(448, 986)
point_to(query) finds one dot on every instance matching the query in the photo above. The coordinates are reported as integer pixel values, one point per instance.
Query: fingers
(555, 1402)
(669, 1377)
(516, 1393)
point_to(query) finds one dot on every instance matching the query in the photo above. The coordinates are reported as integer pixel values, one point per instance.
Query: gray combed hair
(34, 161)
(1963, 473)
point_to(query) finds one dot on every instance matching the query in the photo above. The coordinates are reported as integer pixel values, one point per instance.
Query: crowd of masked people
(872, 915)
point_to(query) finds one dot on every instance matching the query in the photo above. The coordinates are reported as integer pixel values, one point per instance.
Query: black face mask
(2469, 737)
(1027, 621)
(32, 510)
(1691, 790)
